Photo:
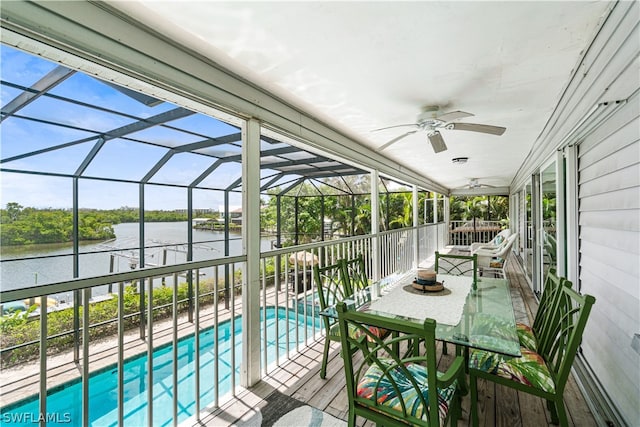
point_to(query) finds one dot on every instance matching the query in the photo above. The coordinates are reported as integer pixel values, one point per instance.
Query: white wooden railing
(463, 233)
(285, 287)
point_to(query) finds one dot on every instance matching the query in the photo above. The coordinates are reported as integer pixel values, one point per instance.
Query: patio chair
(457, 265)
(534, 336)
(493, 260)
(493, 243)
(333, 288)
(543, 373)
(390, 388)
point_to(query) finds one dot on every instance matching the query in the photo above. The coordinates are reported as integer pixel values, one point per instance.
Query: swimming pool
(64, 403)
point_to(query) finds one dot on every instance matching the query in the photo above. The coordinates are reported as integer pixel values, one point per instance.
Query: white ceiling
(360, 66)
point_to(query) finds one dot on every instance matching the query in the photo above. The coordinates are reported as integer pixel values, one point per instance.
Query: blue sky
(118, 158)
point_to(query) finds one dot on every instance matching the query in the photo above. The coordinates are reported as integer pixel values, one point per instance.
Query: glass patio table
(481, 318)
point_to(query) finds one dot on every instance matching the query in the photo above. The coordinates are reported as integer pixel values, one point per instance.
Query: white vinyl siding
(609, 242)
(606, 135)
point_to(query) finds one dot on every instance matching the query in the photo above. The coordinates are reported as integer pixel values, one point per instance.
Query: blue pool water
(64, 404)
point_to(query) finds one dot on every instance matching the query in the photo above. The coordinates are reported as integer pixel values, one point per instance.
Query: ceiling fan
(473, 184)
(431, 119)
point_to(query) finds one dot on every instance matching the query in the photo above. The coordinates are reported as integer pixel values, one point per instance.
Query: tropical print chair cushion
(529, 369)
(388, 396)
(357, 333)
(526, 337)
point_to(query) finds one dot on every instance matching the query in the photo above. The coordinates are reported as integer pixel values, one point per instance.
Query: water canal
(31, 265)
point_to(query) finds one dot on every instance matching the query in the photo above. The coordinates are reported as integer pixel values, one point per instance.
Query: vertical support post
(353, 215)
(322, 218)
(446, 219)
(416, 222)
(111, 267)
(386, 210)
(278, 221)
(250, 368)
(375, 226)
(296, 227)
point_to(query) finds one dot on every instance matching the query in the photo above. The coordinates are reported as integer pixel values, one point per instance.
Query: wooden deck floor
(499, 406)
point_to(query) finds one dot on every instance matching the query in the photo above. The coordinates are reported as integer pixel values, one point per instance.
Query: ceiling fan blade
(474, 127)
(454, 115)
(396, 126)
(394, 140)
(437, 142)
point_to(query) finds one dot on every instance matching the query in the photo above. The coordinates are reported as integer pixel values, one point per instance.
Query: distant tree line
(347, 216)
(26, 226)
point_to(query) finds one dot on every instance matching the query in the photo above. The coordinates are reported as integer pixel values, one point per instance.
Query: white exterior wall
(608, 200)
(609, 262)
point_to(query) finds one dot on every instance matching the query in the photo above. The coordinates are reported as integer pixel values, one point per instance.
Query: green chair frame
(332, 288)
(385, 355)
(565, 333)
(355, 273)
(545, 315)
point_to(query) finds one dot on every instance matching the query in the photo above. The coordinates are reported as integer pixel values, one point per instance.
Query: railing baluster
(196, 335)
(149, 350)
(86, 294)
(304, 297)
(43, 360)
(286, 303)
(121, 354)
(233, 329)
(174, 304)
(277, 304)
(264, 314)
(296, 307)
(216, 336)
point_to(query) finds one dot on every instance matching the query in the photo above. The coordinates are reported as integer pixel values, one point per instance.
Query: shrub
(18, 329)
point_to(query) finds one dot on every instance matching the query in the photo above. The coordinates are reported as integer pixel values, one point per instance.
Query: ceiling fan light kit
(430, 121)
(435, 138)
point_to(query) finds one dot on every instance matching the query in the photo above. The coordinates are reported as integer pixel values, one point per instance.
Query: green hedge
(18, 329)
